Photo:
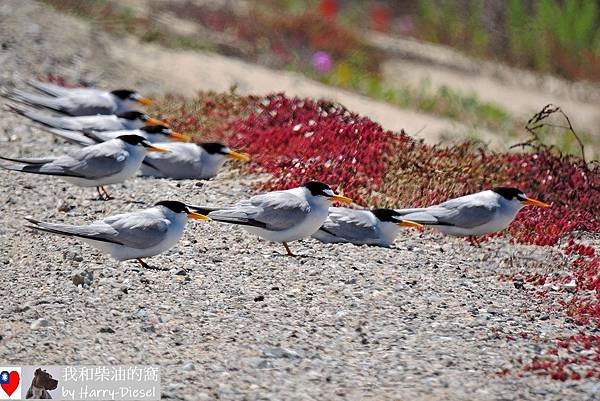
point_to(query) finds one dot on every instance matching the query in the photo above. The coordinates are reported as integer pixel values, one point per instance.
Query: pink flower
(322, 61)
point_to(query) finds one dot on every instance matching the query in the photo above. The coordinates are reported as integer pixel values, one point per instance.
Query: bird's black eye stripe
(156, 129)
(133, 139)
(214, 148)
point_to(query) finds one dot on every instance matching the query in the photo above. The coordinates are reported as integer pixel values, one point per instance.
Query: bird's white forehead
(328, 192)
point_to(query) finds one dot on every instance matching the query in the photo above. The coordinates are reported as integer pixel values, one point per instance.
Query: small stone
(38, 324)
(108, 330)
(70, 255)
(188, 366)
(142, 313)
(21, 308)
(82, 278)
(181, 272)
(259, 298)
(65, 206)
(280, 352)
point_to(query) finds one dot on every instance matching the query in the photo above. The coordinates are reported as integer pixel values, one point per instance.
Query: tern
(183, 161)
(83, 102)
(472, 215)
(283, 216)
(106, 163)
(362, 227)
(133, 235)
(115, 122)
(189, 160)
(153, 133)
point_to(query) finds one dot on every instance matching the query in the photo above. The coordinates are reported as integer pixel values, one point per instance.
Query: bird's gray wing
(92, 162)
(27, 160)
(461, 214)
(64, 105)
(58, 90)
(95, 231)
(47, 87)
(96, 161)
(183, 161)
(350, 224)
(421, 216)
(67, 123)
(275, 211)
(138, 229)
(72, 105)
(403, 212)
(75, 137)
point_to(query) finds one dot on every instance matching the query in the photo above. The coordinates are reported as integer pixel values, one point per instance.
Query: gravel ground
(233, 318)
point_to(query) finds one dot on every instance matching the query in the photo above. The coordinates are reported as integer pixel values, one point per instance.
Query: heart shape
(13, 383)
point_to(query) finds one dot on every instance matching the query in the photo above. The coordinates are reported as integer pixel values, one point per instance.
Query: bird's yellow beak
(534, 202)
(238, 156)
(180, 137)
(340, 198)
(155, 121)
(144, 101)
(197, 216)
(152, 148)
(408, 223)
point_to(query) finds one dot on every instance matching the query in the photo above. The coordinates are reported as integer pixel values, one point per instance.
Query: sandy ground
(518, 91)
(232, 318)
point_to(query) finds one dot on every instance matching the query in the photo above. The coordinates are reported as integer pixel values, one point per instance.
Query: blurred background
(474, 69)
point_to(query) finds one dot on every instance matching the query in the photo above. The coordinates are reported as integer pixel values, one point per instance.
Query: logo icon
(10, 383)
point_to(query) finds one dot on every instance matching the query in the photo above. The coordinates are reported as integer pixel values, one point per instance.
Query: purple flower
(322, 61)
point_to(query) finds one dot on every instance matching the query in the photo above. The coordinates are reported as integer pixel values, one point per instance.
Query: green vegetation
(561, 37)
(441, 101)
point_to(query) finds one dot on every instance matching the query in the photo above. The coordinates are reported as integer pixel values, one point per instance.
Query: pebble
(279, 352)
(188, 366)
(40, 323)
(82, 278)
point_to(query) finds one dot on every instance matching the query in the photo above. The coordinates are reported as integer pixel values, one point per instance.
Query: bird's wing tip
(32, 221)
(15, 109)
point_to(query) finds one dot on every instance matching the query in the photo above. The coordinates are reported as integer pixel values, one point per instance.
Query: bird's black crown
(386, 215)
(132, 139)
(175, 206)
(318, 188)
(123, 93)
(133, 115)
(510, 193)
(214, 148)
